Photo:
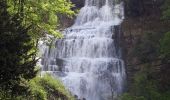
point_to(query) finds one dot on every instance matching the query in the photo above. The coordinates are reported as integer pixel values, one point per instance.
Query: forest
(144, 42)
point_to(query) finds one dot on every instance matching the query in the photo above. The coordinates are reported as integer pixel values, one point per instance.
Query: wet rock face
(136, 8)
(78, 3)
(142, 16)
(66, 21)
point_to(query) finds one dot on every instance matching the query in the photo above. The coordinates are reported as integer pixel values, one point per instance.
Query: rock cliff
(141, 17)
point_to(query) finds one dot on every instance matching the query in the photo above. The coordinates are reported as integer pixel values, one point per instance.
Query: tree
(22, 23)
(42, 15)
(17, 53)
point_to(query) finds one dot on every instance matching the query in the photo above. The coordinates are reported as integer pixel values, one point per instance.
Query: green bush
(165, 46)
(40, 88)
(46, 87)
(127, 96)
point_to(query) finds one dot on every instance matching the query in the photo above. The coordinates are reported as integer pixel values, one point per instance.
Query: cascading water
(86, 59)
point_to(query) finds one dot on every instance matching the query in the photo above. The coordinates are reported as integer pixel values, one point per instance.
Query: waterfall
(87, 59)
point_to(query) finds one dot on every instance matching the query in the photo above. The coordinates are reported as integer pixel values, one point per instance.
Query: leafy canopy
(41, 14)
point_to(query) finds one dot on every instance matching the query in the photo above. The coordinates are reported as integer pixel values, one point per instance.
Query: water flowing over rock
(87, 59)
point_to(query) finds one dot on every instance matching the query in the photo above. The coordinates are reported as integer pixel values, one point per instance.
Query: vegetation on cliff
(149, 51)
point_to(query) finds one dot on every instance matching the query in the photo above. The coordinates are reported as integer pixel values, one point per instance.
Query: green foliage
(165, 41)
(145, 87)
(41, 88)
(145, 84)
(17, 53)
(47, 87)
(127, 96)
(37, 91)
(40, 14)
(165, 45)
(166, 10)
(165, 50)
(142, 85)
(22, 23)
(147, 48)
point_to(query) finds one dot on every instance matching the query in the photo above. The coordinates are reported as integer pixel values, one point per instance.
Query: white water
(86, 59)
